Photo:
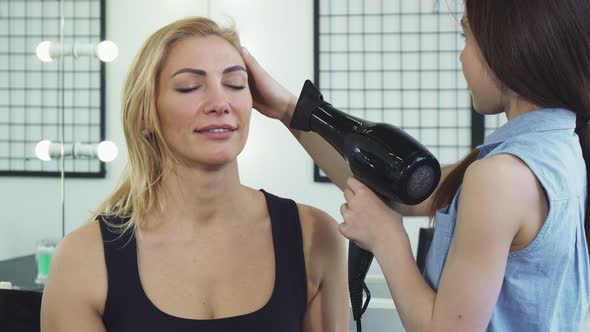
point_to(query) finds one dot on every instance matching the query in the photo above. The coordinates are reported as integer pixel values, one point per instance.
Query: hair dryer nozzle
(309, 99)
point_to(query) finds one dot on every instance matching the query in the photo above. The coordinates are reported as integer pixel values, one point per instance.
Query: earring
(145, 132)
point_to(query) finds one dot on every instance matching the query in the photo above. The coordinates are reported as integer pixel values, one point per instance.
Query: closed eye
(187, 90)
(236, 87)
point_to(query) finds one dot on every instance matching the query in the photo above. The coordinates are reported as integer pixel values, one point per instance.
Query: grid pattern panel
(61, 101)
(397, 61)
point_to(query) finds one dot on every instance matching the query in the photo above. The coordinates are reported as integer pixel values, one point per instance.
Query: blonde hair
(140, 185)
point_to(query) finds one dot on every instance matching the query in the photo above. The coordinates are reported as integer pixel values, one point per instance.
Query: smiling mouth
(218, 130)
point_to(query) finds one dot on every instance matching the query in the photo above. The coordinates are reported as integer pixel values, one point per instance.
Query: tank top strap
(291, 277)
(121, 263)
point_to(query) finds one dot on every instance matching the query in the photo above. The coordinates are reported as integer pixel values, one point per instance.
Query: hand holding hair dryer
(385, 158)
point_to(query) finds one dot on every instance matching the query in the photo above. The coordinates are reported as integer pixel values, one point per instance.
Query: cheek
(171, 109)
(243, 106)
(244, 99)
(246, 115)
(468, 67)
(174, 115)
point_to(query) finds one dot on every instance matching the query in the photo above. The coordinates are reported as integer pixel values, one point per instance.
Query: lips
(216, 128)
(216, 131)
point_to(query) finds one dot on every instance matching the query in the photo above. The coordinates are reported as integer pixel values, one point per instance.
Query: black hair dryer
(382, 156)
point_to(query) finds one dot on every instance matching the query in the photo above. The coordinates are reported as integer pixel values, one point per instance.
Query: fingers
(248, 58)
(348, 195)
(344, 230)
(254, 70)
(268, 96)
(344, 210)
(252, 65)
(354, 184)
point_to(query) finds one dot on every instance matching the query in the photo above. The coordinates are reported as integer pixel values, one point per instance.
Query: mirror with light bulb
(53, 135)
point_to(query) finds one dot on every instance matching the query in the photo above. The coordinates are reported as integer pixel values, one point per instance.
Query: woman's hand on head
(269, 97)
(367, 220)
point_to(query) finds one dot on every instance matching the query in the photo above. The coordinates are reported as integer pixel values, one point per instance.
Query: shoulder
(318, 227)
(78, 272)
(81, 245)
(502, 174)
(499, 190)
(324, 247)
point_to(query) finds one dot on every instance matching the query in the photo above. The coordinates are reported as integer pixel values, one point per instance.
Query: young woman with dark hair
(509, 251)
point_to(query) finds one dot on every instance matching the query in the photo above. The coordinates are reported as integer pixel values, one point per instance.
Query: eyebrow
(234, 68)
(204, 73)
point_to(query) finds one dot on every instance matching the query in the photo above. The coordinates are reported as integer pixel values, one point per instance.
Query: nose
(216, 101)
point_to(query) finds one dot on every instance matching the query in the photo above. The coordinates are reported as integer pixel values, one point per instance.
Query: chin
(218, 161)
(209, 162)
(486, 108)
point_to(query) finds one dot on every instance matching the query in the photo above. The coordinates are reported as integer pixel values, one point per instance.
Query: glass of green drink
(45, 249)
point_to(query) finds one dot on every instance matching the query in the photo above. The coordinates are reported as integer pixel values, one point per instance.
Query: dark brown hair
(540, 49)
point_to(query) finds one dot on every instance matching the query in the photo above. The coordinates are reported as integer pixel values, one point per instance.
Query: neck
(198, 197)
(516, 105)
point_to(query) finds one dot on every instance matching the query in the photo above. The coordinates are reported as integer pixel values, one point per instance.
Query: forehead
(210, 53)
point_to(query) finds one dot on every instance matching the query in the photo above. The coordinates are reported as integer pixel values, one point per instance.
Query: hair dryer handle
(359, 262)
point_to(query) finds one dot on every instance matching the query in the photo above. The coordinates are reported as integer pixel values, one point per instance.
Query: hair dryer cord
(359, 261)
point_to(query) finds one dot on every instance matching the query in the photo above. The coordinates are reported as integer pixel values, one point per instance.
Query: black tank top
(128, 308)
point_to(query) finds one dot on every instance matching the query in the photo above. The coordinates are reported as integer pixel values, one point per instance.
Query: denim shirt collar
(530, 122)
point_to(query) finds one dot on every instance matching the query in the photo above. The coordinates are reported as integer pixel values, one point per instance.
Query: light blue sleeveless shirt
(546, 284)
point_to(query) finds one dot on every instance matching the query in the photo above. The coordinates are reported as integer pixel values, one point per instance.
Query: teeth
(219, 130)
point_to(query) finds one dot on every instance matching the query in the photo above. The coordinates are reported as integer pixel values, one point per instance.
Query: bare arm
(273, 100)
(76, 287)
(490, 215)
(328, 305)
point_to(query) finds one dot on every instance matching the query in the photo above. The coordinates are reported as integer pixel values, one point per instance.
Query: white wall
(278, 33)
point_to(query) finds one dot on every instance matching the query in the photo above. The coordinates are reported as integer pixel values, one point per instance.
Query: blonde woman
(182, 245)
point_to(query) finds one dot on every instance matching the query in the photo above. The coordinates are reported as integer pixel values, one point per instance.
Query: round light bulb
(107, 151)
(43, 51)
(42, 150)
(107, 51)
